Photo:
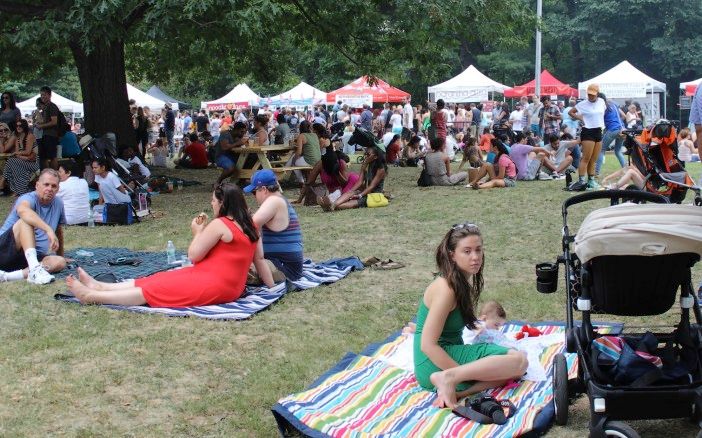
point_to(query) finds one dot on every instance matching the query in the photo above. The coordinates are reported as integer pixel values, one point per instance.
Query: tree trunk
(104, 86)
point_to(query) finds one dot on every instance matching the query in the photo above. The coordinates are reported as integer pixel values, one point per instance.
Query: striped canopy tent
(549, 86)
(302, 94)
(361, 91)
(689, 88)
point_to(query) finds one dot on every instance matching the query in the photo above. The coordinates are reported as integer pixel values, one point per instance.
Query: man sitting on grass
(193, 155)
(528, 159)
(560, 153)
(280, 228)
(31, 231)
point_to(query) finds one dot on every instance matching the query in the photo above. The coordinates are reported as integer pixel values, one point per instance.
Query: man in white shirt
(342, 113)
(215, 126)
(407, 119)
(75, 194)
(515, 118)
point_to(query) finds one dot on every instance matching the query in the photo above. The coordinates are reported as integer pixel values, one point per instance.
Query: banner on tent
(623, 90)
(355, 100)
(474, 95)
(226, 106)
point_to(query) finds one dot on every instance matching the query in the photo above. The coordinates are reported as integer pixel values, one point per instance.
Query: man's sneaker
(3, 277)
(38, 275)
(577, 186)
(556, 175)
(593, 185)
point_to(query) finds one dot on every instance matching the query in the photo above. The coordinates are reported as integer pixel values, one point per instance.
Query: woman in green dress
(441, 361)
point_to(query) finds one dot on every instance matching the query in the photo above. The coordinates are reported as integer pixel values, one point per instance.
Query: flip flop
(388, 264)
(370, 261)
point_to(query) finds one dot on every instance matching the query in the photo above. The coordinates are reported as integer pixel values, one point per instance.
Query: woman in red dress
(222, 252)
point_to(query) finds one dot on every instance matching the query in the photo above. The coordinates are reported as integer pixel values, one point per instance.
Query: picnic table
(284, 151)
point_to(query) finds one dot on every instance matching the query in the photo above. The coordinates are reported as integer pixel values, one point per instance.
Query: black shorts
(591, 134)
(11, 259)
(48, 148)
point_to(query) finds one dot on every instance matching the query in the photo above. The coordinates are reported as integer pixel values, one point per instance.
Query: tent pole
(665, 105)
(537, 63)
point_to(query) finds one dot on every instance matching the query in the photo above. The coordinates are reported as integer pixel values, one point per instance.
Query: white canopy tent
(302, 94)
(65, 105)
(142, 99)
(240, 96)
(469, 86)
(624, 81)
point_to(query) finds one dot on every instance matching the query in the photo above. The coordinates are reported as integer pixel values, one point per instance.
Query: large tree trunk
(104, 87)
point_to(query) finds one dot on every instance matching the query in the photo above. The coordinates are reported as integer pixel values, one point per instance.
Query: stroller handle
(614, 195)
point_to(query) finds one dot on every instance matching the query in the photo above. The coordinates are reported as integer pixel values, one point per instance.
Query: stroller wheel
(619, 429)
(560, 389)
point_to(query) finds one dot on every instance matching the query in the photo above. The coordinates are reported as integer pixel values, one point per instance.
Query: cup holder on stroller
(547, 277)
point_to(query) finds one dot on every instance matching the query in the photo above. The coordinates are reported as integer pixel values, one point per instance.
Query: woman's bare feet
(78, 289)
(87, 280)
(445, 389)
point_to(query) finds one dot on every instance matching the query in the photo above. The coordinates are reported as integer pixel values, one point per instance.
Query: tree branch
(25, 10)
(136, 14)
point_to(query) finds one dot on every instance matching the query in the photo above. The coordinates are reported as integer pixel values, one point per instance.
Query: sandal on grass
(388, 264)
(370, 261)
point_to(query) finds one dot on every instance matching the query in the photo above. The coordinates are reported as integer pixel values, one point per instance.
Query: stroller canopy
(640, 229)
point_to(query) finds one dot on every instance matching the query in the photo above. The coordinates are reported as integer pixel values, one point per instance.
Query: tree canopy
(198, 50)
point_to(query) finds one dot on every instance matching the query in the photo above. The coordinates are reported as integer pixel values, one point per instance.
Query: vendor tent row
(363, 90)
(155, 99)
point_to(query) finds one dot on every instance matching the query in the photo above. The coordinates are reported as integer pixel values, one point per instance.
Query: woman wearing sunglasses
(9, 113)
(441, 361)
(20, 168)
(7, 139)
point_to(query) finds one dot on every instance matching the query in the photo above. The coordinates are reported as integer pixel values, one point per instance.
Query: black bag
(62, 124)
(423, 180)
(119, 214)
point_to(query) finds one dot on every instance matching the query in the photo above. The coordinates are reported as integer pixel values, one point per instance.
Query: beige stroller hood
(640, 229)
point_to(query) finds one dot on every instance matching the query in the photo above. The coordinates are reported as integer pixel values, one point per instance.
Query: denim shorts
(225, 161)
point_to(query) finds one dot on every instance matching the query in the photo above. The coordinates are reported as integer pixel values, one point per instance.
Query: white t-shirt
(516, 118)
(560, 152)
(340, 115)
(408, 116)
(387, 137)
(109, 189)
(396, 121)
(215, 125)
(592, 112)
(76, 200)
(143, 170)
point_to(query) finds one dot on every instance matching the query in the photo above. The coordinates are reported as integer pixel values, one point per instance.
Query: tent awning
(239, 96)
(690, 87)
(469, 86)
(161, 95)
(65, 105)
(360, 91)
(142, 99)
(549, 86)
(301, 94)
(624, 81)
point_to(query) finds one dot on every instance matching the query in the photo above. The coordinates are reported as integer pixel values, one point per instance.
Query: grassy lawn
(89, 371)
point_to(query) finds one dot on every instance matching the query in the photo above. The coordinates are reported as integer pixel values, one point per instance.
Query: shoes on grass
(3, 277)
(578, 186)
(593, 185)
(325, 203)
(39, 275)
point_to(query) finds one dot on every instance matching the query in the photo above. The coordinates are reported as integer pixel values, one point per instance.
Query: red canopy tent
(690, 89)
(361, 90)
(549, 86)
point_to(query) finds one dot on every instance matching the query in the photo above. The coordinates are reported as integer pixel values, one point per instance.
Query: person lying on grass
(222, 251)
(501, 174)
(373, 172)
(441, 361)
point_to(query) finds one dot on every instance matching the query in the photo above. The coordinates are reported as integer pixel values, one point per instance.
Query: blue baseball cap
(265, 177)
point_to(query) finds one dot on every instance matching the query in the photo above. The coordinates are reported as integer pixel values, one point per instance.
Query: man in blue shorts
(32, 233)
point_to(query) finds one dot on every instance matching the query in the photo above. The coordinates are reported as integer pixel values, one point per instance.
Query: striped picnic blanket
(252, 301)
(366, 396)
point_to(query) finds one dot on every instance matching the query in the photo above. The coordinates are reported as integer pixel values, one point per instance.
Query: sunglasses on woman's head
(465, 225)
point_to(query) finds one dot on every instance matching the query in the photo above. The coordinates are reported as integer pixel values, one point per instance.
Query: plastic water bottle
(170, 252)
(91, 218)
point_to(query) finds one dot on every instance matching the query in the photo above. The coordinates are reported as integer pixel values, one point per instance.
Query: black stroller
(103, 147)
(629, 260)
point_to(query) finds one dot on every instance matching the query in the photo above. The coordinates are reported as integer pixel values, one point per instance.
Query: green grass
(89, 371)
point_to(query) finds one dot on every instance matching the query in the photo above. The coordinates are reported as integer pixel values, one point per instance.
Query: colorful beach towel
(254, 300)
(364, 395)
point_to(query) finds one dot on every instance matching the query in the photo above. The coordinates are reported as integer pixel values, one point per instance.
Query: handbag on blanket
(375, 200)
